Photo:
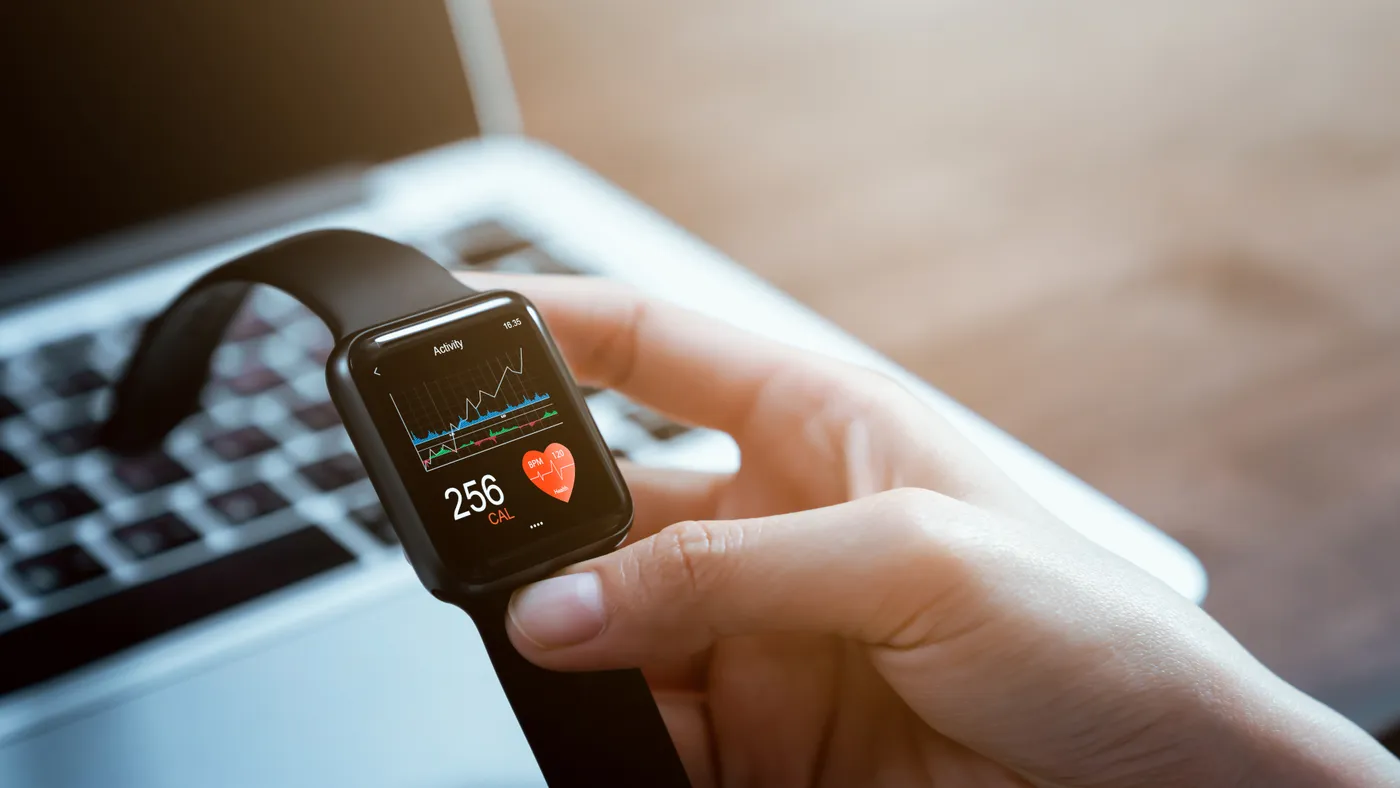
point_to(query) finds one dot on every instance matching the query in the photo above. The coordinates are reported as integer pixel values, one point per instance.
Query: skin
(870, 601)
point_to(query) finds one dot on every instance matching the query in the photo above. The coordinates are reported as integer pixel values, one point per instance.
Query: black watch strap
(586, 729)
(351, 280)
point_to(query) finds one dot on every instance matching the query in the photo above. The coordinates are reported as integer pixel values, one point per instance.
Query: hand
(869, 600)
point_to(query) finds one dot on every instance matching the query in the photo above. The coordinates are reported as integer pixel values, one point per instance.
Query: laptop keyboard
(257, 492)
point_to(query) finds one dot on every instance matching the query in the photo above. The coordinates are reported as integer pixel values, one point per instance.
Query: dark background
(89, 140)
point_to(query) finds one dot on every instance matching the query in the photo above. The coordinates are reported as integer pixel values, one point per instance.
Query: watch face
(490, 437)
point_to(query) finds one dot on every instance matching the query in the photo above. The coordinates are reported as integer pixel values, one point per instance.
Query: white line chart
(474, 407)
(557, 471)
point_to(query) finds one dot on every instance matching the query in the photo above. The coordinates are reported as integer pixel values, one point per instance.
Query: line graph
(474, 408)
(553, 468)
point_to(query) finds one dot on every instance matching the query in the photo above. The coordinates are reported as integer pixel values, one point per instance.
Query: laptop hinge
(157, 241)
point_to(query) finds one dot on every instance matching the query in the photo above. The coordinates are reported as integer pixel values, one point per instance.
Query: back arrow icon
(376, 371)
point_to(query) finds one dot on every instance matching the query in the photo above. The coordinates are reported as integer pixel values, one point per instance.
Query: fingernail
(561, 611)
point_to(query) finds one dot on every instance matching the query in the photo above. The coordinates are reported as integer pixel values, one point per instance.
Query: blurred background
(1158, 242)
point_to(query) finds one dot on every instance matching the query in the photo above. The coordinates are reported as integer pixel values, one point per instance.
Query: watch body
(479, 444)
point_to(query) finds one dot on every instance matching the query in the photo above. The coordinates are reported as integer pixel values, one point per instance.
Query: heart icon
(552, 470)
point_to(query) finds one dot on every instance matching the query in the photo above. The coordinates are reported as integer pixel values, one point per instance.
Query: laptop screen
(113, 114)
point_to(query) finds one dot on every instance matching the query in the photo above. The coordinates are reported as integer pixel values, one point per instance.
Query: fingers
(871, 570)
(662, 496)
(701, 370)
(707, 372)
(688, 723)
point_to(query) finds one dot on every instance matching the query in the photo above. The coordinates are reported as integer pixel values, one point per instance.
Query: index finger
(687, 365)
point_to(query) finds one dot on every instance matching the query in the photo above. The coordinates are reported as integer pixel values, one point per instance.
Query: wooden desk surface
(1159, 244)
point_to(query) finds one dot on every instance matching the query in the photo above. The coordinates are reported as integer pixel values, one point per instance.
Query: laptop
(232, 609)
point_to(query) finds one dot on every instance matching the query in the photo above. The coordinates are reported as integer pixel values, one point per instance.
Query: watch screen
(490, 437)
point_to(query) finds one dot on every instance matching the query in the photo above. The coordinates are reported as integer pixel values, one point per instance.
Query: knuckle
(933, 576)
(847, 394)
(693, 555)
(910, 514)
(620, 344)
(930, 534)
(865, 386)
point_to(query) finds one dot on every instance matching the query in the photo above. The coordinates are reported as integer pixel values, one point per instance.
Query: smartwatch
(477, 441)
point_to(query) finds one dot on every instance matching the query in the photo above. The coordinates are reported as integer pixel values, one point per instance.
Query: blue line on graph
(487, 416)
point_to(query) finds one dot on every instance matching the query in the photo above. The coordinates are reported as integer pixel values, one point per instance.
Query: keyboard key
(248, 326)
(74, 440)
(660, 427)
(528, 261)
(254, 380)
(55, 571)
(319, 416)
(71, 351)
(155, 535)
(8, 408)
(483, 241)
(56, 644)
(248, 503)
(320, 353)
(9, 465)
(241, 443)
(149, 471)
(335, 472)
(81, 381)
(57, 505)
(372, 518)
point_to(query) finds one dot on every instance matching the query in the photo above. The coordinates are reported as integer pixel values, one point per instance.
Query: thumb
(872, 570)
